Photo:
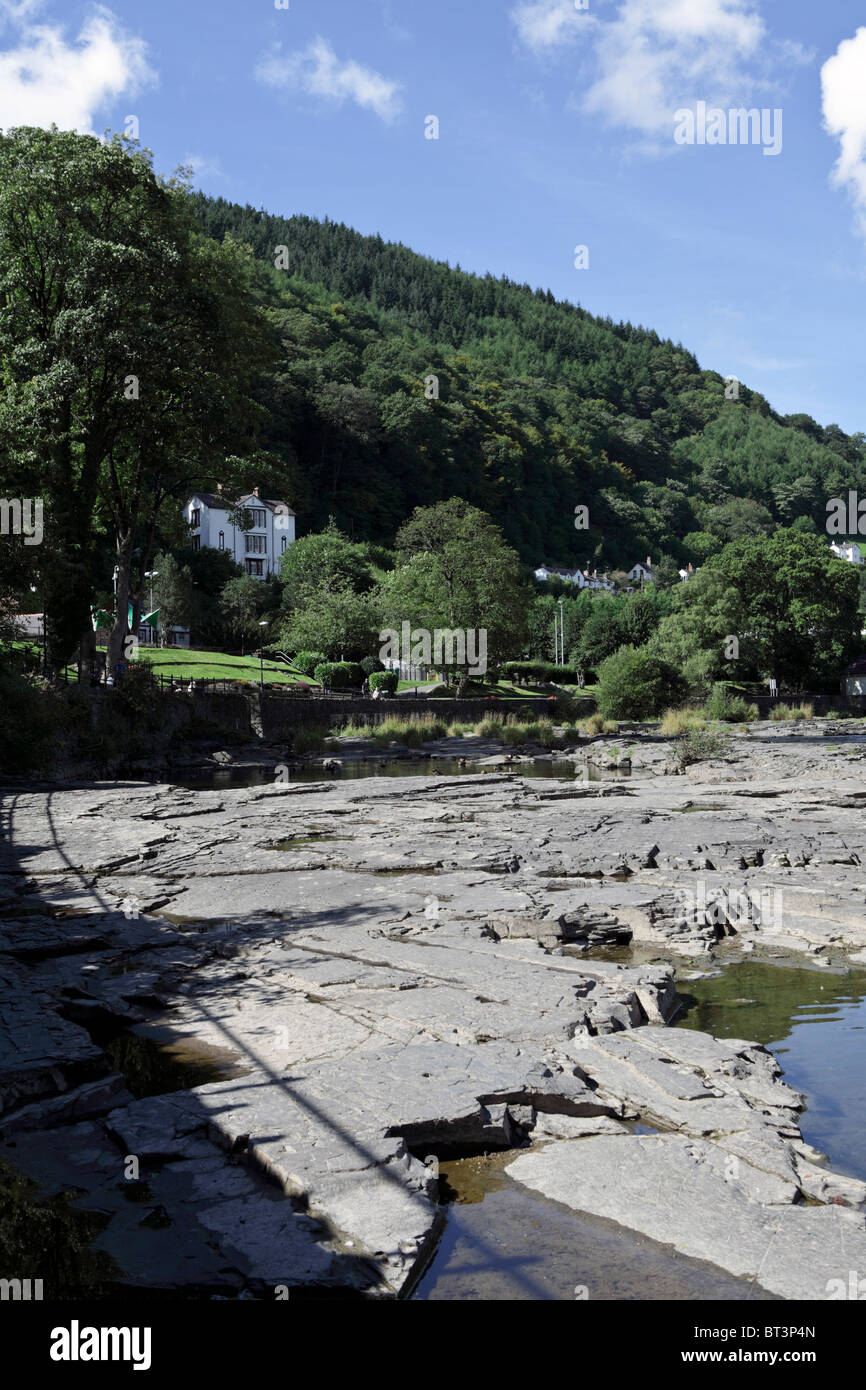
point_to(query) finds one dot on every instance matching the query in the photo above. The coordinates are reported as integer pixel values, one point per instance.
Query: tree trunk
(117, 636)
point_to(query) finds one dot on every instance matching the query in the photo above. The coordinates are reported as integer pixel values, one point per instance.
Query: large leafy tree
(127, 345)
(455, 571)
(789, 602)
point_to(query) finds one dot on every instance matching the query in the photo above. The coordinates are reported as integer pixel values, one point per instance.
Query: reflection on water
(504, 1242)
(561, 769)
(815, 1023)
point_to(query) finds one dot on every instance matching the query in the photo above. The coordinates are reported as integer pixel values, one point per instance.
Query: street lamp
(263, 623)
(151, 575)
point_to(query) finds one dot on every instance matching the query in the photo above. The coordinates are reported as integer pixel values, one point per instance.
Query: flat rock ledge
(367, 975)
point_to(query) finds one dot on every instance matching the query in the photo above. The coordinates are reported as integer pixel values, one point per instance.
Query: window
(258, 516)
(256, 545)
(196, 542)
(284, 543)
(195, 518)
(255, 567)
(222, 540)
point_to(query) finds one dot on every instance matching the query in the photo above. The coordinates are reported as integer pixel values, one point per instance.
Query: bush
(700, 745)
(679, 721)
(534, 672)
(729, 708)
(386, 681)
(371, 664)
(782, 713)
(339, 675)
(633, 684)
(306, 662)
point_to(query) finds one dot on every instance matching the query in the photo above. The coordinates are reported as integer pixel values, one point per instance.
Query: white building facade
(847, 550)
(257, 550)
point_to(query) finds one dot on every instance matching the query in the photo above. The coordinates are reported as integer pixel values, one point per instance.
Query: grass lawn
(188, 665)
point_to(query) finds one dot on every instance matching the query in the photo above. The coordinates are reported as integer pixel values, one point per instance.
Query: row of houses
(638, 574)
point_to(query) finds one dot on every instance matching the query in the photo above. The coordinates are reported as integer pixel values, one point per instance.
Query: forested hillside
(541, 408)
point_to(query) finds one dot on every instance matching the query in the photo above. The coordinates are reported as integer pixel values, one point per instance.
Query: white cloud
(843, 92)
(652, 58)
(545, 24)
(46, 80)
(319, 72)
(203, 166)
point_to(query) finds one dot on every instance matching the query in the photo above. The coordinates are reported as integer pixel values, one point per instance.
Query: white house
(545, 572)
(593, 581)
(847, 550)
(687, 574)
(641, 574)
(258, 549)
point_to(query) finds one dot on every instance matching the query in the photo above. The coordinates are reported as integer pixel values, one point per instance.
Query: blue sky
(556, 129)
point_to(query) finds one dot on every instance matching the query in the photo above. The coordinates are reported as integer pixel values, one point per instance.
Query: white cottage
(847, 550)
(640, 573)
(258, 549)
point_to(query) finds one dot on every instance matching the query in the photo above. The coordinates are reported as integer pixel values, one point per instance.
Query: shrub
(593, 725)
(633, 684)
(371, 664)
(306, 662)
(339, 675)
(700, 745)
(386, 681)
(727, 707)
(678, 721)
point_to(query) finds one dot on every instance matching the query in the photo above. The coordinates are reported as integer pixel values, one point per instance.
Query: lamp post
(561, 634)
(263, 623)
(41, 634)
(151, 575)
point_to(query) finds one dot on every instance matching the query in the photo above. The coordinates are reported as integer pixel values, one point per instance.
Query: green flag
(147, 619)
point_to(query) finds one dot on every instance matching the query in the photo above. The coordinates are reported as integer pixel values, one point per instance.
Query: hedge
(371, 664)
(339, 675)
(306, 662)
(386, 681)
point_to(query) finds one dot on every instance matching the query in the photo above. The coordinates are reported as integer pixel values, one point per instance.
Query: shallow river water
(504, 1241)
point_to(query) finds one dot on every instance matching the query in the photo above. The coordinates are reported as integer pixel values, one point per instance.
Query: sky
(561, 124)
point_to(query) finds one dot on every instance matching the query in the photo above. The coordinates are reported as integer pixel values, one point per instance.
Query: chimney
(649, 563)
(691, 570)
(255, 492)
(219, 487)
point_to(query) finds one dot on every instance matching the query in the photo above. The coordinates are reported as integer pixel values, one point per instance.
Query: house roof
(217, 501)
